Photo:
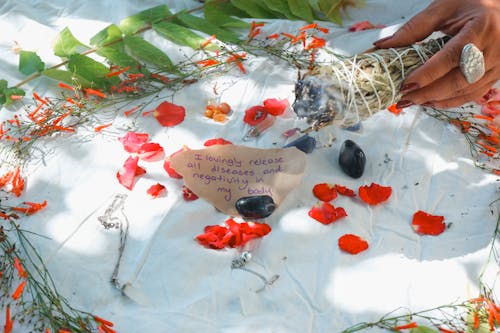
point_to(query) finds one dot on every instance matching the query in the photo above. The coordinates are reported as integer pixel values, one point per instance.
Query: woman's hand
(439, 82)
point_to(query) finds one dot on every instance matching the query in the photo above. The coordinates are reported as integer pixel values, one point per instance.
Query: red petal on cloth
(166, 164)
(169, 114)
(187, 194)
(492, 94)
(324, 192)
(491, 108)
(150, 152)
(426, 224)
(157, 190)
(327, 213)
(132, 141)
(352, 244)
(394, 109)
(345, 191)
(234, 234)
(374, 194)
(126, 176)
(255, 115)
(364, 25)
(217, 141)
(275, 106)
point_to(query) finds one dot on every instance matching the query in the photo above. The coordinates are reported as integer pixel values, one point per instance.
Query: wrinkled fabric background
(174, 284)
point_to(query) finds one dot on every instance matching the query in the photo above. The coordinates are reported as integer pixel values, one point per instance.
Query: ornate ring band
(472, 63)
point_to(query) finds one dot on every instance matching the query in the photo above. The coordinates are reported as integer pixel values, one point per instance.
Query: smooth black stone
(305, 143)
(255, 207)
(352, 159)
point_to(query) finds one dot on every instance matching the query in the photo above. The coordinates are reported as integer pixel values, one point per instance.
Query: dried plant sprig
(351, 89)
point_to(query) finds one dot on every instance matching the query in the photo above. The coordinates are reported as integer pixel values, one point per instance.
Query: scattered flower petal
(169, 114)
(187, 194)
(157, 190)
(150, 152)
(255, 115)
(345, 191)
(426, 224)
(324, 192)
(275, 106)
(352, 244)
(326, 213)
(375, 193)
(133, 141)
(393, 109)
(217, 141)
(365, 25)
(126, 175)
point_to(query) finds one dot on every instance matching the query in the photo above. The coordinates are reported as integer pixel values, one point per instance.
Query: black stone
(352, 159)
(305, 143)
(255, 207)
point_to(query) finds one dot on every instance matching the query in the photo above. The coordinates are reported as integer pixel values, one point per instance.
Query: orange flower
(208, 41)
(407, 326)
(19, 267)
(118, 72)
(208, 62)
(129, 112)
(316, 43)
(65, 86)
(6, 178)
(103, 321)
(8, 321)
(32, 208)
(480, 116)
(309, 26)
(394, 109)
(273, 36)
(101, 127)
(236, 58)
(94, 92)
(19, 290)
(254, 29)
(17, 183)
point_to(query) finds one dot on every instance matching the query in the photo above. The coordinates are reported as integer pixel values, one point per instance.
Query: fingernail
(403, 104)
(406, 88)
(382, 40)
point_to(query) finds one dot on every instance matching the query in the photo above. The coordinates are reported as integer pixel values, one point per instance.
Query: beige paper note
(222, 174)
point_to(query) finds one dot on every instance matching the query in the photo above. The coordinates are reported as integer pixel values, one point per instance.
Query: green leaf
(205, 26)
(67, 77)
(107, 35)
(225, 7)
(331, 9)
(281, 6)
(134, 23)
(147, 52)
(302, 9)
(67, 45)
(30, 62)
(3, 85)
(116, 55)
(181, 35)
(253, 8)
(91, 70)
(423, 329)
(213, 14)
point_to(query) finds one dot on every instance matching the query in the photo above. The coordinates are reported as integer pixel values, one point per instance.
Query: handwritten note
(224, 173)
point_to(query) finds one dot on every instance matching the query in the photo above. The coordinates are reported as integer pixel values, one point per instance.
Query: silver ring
(472, 63)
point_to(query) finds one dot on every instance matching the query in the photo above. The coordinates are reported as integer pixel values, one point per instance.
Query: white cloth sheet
(176, 285)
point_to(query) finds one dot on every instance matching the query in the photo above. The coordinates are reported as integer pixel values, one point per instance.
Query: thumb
(416, 29)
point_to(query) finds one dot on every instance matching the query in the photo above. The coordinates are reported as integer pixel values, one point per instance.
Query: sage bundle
(351, 89)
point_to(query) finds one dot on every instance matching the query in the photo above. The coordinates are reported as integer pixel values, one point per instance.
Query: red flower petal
(327, 213)
(233, 235)
(375, 193)
(352, 244)
(132, 141)
(156, 190)
(324, 192)
(150, 152)
(426, 224)
(129, 171)
(218, 141)
(255, 115)
(364, 25)
(187, 194)
(343, 190)
(166, 164)
(275, 106)
(169, 114)
(392, 108)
